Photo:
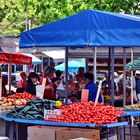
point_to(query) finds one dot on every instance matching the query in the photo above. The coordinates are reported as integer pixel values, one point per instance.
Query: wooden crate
(73, 133)
(43, 132)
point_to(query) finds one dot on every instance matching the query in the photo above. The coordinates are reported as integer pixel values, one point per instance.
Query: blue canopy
(72, 66)
(88, 28)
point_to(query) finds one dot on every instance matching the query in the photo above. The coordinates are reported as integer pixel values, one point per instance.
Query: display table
(129, 114)
(16, 129)
(132, 113)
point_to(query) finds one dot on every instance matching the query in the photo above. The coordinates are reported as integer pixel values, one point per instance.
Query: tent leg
(94, 66)
(132, 96)
(109, 67)
(86, 69)
(112, 76)
(124, 77)
(9, 77)
(66, 75)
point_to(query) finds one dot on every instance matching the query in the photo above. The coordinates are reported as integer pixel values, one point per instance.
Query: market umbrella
(134, 65)
(14, 58)
(72, 66)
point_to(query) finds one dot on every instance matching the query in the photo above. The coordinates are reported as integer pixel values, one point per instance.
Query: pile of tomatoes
(85, 112)
(24, 95)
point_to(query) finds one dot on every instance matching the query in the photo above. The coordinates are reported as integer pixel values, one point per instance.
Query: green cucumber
(30, 117)
(39, 117)
(25, 109)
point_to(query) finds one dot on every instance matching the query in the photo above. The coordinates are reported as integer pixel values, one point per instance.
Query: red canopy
(15, 58)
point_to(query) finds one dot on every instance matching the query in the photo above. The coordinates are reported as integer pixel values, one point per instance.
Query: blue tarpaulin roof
(87, 28)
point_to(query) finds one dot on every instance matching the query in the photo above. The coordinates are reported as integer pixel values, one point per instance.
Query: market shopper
(81, 72)
(137, 77)
(57, 76)
(3, 85)
(22, 83)
(91, 86)
(116, 80)
(49, 92)
(106, 84)
(32, 83)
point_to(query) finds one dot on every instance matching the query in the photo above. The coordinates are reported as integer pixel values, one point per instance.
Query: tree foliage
(14, 12)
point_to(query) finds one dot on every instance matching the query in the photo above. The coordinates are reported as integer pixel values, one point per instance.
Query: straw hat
(137, 72)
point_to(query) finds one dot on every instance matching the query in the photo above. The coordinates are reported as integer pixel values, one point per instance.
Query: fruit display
(133, 107)
(17, 99)
(85, 112)
(58, 103)
(34, 109)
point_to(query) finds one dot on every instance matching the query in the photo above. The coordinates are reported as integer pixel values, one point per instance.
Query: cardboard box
(43, 132)
(62, 133)
(73, 133)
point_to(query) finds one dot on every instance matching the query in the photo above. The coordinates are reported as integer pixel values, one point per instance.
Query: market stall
(18, 124)
(20, 118)
(101, 29)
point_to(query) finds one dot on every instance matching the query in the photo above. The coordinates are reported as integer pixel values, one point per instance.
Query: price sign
(52, 113)
(38, 90)
(84, 96)
(43, 88)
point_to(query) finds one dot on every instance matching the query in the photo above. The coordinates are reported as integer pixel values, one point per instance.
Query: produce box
(61, 133)
(43, 132)
(72, 133)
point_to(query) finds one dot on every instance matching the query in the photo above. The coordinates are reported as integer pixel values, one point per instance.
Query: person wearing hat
(137, 77)
(49, 92)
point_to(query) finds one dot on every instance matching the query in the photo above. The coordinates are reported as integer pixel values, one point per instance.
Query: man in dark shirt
(105, 85)
(91, 86)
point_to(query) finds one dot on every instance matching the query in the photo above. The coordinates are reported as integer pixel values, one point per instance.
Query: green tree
(14, 12)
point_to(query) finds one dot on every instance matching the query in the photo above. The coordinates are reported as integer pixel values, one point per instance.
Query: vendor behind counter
(91, 86)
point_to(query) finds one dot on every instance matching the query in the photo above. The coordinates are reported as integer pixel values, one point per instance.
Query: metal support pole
(112, 76)
(124, 132)
(124, 77)
(94, 65)
(132, 96)
(66, 75)
(9, 73)
(109, 67)
(86, 61)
